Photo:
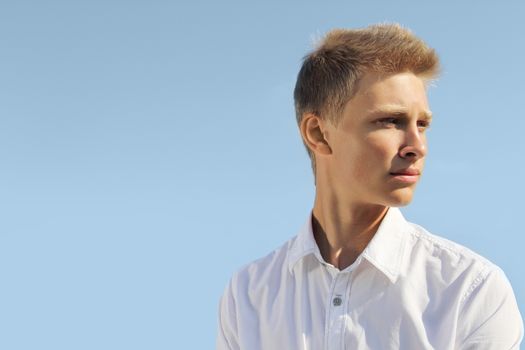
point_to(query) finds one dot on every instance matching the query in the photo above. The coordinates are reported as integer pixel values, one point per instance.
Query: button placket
(337, 309)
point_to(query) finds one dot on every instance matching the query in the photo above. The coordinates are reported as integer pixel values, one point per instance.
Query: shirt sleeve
(227, 338)
(489, 318)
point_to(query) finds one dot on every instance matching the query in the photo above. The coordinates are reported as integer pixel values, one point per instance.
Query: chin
(400, 198)
(400, 203)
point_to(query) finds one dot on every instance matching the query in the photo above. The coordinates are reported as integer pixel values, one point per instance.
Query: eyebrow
(398, 110)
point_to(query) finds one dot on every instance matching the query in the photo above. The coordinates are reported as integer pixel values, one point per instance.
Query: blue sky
(149, 149)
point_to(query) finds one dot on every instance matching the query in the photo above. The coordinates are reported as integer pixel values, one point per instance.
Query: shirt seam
(347, 311)
(329, 313)
(441, 245)
(481, 276)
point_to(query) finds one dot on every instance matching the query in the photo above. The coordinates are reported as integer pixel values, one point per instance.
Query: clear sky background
(149, 149)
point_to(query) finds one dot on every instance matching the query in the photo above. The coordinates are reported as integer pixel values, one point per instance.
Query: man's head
(330, 75)
(362, 110)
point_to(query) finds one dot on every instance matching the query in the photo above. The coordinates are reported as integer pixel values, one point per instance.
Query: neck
(343, 230)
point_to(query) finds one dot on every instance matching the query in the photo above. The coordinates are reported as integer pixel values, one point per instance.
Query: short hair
(330, 74)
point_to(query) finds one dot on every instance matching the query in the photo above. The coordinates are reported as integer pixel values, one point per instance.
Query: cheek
(375, 156)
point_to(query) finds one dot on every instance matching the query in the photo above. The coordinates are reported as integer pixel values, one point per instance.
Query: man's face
(379, 145)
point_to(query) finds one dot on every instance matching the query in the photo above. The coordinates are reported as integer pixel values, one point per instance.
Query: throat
(341, 240)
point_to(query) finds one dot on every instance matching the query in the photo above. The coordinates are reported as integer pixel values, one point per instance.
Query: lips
(408, 176)
(406, 172)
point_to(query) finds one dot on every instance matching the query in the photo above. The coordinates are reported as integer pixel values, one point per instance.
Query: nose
(415, 146)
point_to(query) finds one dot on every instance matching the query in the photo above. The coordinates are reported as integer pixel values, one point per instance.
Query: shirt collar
(385, 251)
(303, 245)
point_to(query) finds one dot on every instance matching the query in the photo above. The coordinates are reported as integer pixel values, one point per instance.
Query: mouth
(408, 175)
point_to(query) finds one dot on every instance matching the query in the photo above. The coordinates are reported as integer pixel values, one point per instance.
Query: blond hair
(330, 74)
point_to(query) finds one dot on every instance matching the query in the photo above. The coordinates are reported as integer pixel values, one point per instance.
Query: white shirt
(408, 289)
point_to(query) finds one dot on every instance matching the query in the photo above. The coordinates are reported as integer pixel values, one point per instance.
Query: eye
(388, 122)
(423, 124)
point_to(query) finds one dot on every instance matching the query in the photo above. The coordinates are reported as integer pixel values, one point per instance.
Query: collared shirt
(408, 289)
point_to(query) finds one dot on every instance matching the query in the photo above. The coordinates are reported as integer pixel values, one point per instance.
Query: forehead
(404, 91)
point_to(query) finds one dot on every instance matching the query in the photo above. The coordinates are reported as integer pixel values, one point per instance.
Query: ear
(313, 132)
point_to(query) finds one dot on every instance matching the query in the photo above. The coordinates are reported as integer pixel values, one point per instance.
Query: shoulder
(475, 288)
(452, 263)
(447, 252)
(263, 271)
(249, 288)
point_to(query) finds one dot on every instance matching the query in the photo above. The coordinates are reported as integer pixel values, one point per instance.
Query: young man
(358, 276)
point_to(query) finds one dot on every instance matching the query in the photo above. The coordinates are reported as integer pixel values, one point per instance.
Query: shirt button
(337, 301)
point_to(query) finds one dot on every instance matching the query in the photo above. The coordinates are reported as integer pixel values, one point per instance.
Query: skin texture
(371, 160)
